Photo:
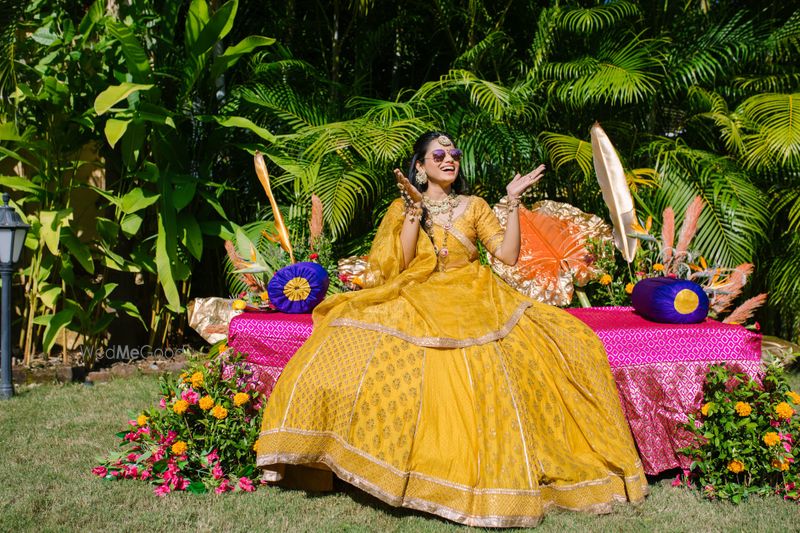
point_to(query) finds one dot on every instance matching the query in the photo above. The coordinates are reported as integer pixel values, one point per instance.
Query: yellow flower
(605, 279)
(784, 410)
(736, 466)
(743, 408)
(239, 305)
(179, 448)
(206, 403)
(794, 397)
(264, 296)
(197, 379)
(255, 445)
(223, 347)
(629, 288)
(771, 438)
(141, 420)
(658, 267)
(706, 407)
(240, 398)
(782, 465)
(219, 412)
(180, 406)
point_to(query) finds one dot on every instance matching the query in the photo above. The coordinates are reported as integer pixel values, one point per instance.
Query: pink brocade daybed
(659, 368)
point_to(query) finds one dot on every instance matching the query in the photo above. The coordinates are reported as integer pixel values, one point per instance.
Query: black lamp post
(12, 237)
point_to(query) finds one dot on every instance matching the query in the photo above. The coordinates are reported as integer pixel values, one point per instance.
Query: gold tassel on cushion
(616, 192)
(280, 227)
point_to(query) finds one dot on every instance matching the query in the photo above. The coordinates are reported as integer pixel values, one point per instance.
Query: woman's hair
(420, 149)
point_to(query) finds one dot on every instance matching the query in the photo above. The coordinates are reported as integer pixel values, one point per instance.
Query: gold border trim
(439, 342)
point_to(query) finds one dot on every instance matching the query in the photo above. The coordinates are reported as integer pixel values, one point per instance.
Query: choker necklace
(438, 207)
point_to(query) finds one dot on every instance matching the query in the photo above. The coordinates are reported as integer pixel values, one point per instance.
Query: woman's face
(442, 162)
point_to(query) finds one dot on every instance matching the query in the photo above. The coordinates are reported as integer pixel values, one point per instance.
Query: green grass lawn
(50, 437)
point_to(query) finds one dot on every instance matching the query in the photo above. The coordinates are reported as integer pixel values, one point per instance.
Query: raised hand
(520, 184)
(411, 196)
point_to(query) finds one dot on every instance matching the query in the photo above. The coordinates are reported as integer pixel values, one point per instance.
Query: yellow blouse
(417, 303)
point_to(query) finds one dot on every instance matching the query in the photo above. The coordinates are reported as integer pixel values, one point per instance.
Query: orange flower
(180, 407)
(206, 403)
(179, 448)
(239, 305)
(219, 412)
(736, 466)
(264, 296)
(658, 267)
(240, 398)
(197, 379)
(629, 288)
(784, 410)
(743, 408)
(780, 465)
(605, 279)
(706, 407)
(141, 420)
(794, 397)
(771, 438)
(255, 445)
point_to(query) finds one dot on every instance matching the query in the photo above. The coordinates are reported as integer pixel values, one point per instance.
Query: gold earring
(422, 177)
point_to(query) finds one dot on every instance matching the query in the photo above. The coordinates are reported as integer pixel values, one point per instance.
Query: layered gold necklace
(440, 207)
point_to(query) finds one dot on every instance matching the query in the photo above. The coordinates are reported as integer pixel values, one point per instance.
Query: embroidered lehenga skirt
(450, 393)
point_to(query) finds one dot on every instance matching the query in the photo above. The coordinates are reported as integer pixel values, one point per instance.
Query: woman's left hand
(520, 184)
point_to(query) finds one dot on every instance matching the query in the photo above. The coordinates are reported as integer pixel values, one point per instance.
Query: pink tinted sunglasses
(438, 154)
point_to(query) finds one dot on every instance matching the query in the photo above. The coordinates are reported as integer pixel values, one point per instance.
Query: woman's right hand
(411, 196)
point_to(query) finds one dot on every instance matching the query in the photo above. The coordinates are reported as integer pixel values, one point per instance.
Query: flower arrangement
(670, 255)
(201, 437)
(743, 436)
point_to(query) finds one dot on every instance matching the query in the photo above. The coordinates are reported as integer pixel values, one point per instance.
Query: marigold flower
(179, 448)
(706, 407)
(206, 403)
(219, 412)
(605, 279)
(780, 465)
(240, 398)
(658, 267)
(736, 466)
(142, 420)
(180, 407)
(794, 397)
(197, 379)
(771, 438)
(255, 445)
(264, 296)
(239, 305)
(784, 410)
(743, 408)
(629, 288)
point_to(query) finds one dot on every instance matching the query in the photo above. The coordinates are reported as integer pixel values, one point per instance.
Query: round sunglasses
(439, 154)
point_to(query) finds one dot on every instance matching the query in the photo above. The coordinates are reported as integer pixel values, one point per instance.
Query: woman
(445, 390)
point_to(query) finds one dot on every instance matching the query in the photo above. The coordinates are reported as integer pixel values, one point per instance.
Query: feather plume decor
(746, 310)
(280, 226)
(723, 293)
(315, 224)
(240, 264)
(688, 228)
(668, 233)
(616, 192)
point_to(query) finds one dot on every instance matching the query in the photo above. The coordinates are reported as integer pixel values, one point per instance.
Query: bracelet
(513, 204)
(413, 213)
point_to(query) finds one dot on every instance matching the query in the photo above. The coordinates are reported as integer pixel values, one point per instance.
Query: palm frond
(564, 149)
(591, 19)
(776, 139)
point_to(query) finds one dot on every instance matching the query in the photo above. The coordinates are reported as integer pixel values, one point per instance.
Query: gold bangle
(513, 203)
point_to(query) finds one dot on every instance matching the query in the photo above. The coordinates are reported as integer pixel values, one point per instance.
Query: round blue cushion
(670, 300)
(298, 288)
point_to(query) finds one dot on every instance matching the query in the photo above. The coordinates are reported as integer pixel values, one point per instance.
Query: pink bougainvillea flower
(180, 483)
(162, 490)
(774, 423)
(100, 471)
(163, 403)
(132, 457)
(787, 447)
(217, 472)
(677, 481)
(130, 472)
(212, 457)
(146, 474)
(190, 396)
(246, 485)
(223, 487)
(132, 423)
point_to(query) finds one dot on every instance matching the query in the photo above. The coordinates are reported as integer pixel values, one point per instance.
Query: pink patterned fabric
(660, 370)
(269, 340)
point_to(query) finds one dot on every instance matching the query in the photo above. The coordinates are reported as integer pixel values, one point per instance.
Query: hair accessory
(421, 177)
(444, 140)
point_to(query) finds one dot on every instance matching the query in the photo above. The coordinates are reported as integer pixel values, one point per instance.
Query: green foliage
(743, 437)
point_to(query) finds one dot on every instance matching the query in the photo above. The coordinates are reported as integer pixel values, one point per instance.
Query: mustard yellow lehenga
(451, 393)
